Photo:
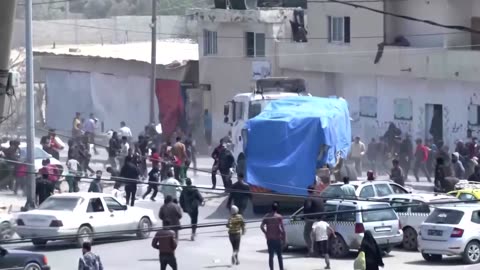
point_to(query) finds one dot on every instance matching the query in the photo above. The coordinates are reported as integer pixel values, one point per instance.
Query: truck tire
(241, 164)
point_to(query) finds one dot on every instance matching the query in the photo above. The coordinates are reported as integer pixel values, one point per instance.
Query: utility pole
(153, 78)
(31, 198)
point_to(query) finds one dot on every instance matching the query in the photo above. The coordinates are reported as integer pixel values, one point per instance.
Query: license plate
(383, 229)
(435, 232)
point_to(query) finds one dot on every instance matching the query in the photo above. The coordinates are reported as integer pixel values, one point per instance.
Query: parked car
(25, 260)
(366, 189)
(349, 227)
(467, 193)
(413, 209)
(83, 217)
(453, 231)
(7, 224)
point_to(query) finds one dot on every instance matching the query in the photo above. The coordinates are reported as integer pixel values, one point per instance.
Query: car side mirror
(225, 119)
(226, 110)
(3, 252)
(124, 207)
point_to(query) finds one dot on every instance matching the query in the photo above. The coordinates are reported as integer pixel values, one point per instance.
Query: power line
(455, 27)
(216, 224)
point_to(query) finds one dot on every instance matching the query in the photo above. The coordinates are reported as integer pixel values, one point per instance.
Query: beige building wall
(229, 72)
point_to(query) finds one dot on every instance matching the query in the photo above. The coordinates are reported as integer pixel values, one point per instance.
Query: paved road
(212, 250)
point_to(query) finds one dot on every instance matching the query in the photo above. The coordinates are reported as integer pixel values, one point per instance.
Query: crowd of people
(432, 158)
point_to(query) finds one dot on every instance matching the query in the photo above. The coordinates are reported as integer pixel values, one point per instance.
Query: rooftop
(259, 15)
(168, 51)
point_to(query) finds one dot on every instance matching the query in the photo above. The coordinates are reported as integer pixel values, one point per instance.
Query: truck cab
(245, 106)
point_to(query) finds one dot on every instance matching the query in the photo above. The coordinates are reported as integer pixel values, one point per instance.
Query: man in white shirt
(73, 176)
(357, 153)
(124, 147)
(347, 188)
(125, 131)
(171, 186)
(89, 128)
(321, 231)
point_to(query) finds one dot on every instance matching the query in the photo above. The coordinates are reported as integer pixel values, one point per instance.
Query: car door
(401, 207)
(7, 261)
(98, 215)
(419, 212)
(119, 220)
(345, 224)
(294, 229)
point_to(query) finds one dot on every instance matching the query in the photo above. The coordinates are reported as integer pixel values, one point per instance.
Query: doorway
(434, 123)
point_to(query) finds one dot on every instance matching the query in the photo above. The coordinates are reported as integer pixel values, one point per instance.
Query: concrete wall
(453, 95)
(366, 29)
(111, 30)
(450, 12)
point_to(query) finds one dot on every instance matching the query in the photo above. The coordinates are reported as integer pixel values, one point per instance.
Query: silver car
(366, 189)
(349, 227)
(413, 209)
(452, 231)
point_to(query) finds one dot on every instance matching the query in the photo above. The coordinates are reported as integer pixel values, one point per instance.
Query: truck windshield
(256, 107)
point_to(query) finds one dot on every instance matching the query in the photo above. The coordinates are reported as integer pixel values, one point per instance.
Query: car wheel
(338, 247)
(32, 266)
(144, 228)
(471, 255)
(6, 231)
(409, 239)
(84, 234)
(39, 242)
(432, 257)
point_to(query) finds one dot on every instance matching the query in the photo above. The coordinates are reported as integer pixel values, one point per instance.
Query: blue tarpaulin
(284, 142)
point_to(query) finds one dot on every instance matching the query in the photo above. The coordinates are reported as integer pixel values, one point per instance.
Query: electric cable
(217, 224)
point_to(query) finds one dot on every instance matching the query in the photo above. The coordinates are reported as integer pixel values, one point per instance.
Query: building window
(474, 115)
(368, 107)
(338, 29)
(402, 109)
(255, 44)
(209, 42)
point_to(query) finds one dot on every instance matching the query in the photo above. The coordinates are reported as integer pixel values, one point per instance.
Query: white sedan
(83, 217)
(39, 155)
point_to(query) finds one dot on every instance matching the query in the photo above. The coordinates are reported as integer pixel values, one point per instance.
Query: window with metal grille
(209, 42)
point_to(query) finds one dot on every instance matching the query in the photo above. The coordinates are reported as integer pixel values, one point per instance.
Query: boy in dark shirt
(396, 174)
(153, 177)
(96, 185)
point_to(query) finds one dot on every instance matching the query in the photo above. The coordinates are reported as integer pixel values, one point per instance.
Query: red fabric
(21, 170)
(52, 172)
(423, 149)
(171, 105)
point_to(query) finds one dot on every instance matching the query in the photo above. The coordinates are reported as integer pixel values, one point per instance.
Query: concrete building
(113, 82)
(390, 70)
(236, 46)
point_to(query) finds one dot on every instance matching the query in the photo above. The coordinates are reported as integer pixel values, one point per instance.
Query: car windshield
(383, 214)
(334, 191)
(39, 153)
(445, 216)
(60, 204)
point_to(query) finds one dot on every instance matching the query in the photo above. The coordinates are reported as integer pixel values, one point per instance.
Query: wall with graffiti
(413, 105)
